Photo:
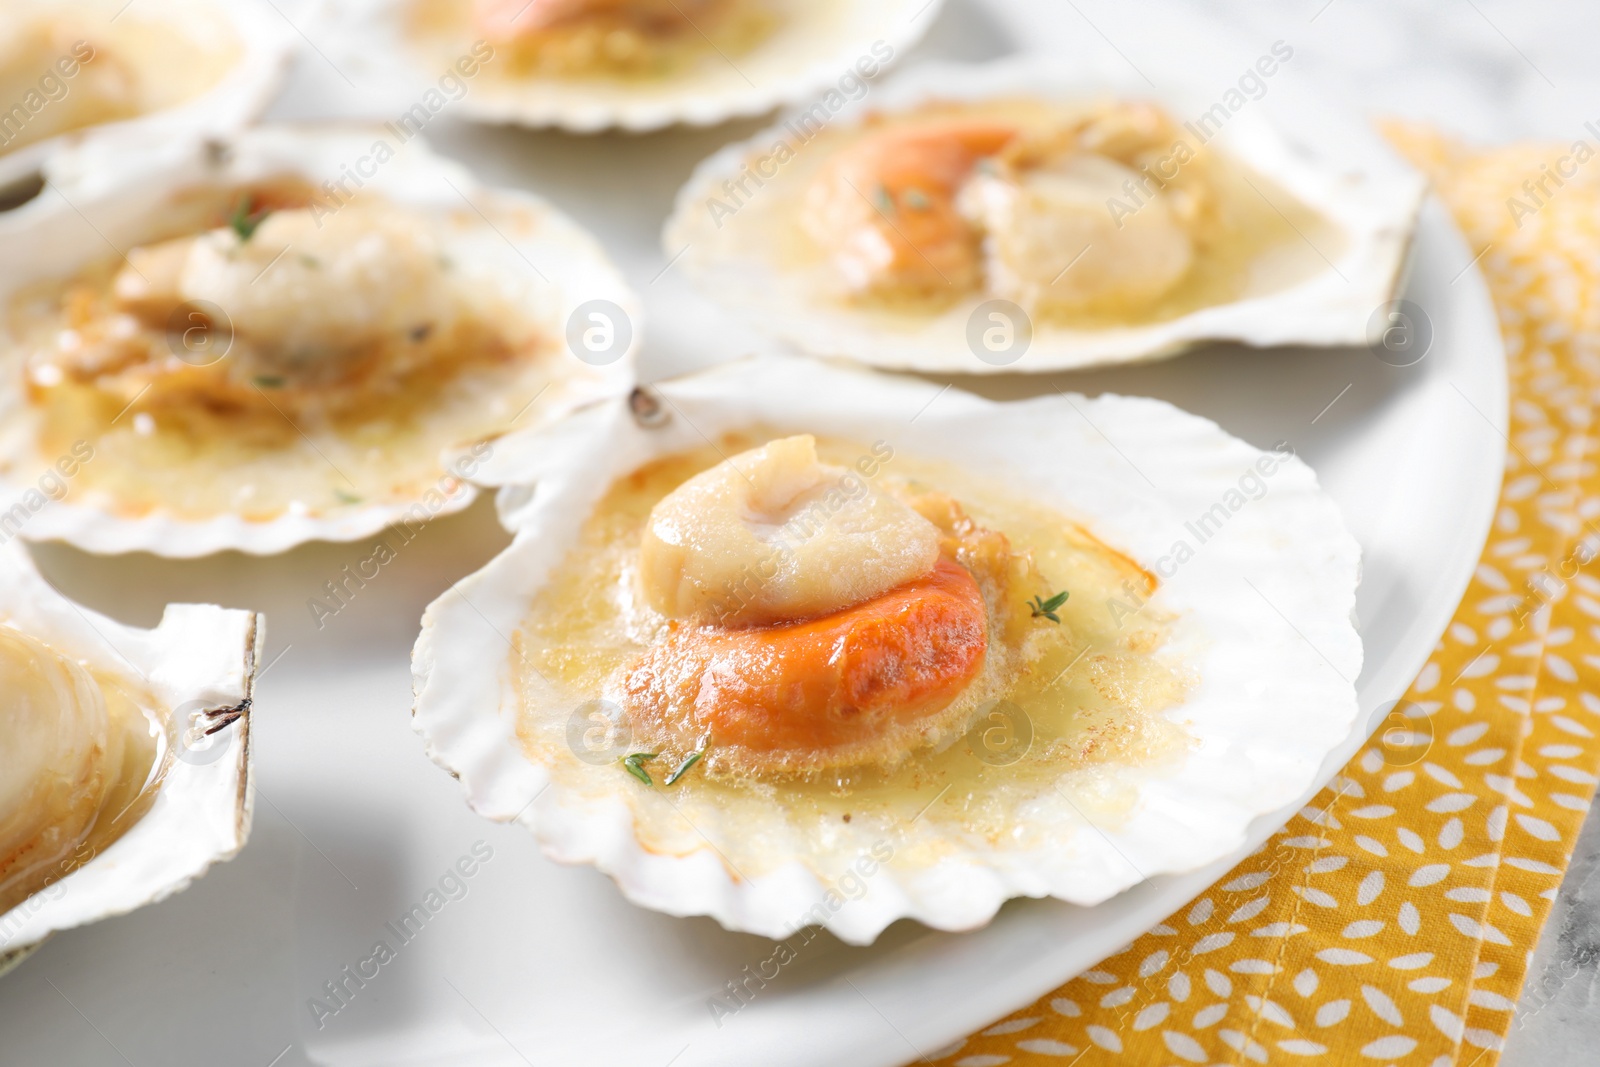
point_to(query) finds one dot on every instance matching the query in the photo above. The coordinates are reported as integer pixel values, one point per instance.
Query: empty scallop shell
(247, 41)
(812, 45)
(194, 674)
(537, 262)
(736, 228)
(1261, 616)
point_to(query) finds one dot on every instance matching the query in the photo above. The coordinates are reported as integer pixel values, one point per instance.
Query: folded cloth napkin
(1391, 921)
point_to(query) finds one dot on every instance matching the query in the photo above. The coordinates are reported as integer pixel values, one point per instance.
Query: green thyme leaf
(269, 381)
(916, 199)
(882, 200)
(635, 765)
(243, 222)
(346, 498)
(682, 768)
(1047, 608)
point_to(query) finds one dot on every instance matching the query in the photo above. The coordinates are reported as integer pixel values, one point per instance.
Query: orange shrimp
(885, 207)
(850, 687)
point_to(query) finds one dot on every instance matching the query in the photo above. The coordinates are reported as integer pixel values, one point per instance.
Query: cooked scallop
(997, 660)
(1082, 216)
(275, 361)
(774, 534)
(1050, 244)
(184, 68)
(884, 208)
(62, 750)
(125, 752)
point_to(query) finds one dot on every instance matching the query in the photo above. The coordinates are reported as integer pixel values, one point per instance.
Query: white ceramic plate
(540, 964)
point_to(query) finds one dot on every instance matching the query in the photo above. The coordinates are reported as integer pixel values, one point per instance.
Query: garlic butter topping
(774, 535)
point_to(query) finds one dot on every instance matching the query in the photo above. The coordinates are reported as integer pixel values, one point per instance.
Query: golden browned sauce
(1089, 691)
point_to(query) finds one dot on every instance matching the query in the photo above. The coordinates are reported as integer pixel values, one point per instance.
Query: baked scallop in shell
(138, 73)
(786, 643)
(124, 754)
(590, 65)
(1013, 218)
(302, 323)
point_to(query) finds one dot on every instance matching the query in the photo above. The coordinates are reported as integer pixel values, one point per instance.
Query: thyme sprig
(243, 222)
(635, 765)
(1047, 608)
(683, 768)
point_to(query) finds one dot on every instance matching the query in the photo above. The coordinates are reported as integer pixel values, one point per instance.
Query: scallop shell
(1264, 617)
(817, 45)
(125, 194)
(267, 40)
(201, 662)
(1351, 179)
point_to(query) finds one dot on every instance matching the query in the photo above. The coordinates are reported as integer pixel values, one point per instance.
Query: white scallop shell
(1349, 177)
(268, 42)
(124, 192)
(1264, 618)
(200, 660)
(819, 43)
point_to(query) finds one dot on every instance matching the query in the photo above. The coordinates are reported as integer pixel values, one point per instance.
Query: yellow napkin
(1391, 921)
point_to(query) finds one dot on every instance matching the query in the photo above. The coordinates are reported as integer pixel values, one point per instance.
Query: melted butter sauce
(1082, 699)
